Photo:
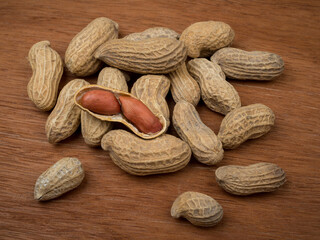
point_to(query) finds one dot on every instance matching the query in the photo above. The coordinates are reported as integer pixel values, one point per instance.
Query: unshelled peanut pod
(198, 208)
(142, 157)
(244, 65)
(64, 119)
(79, 55)
(47, 68)
(63, 176)
(254, 178)
(135, 116)
(203, 38)
(155, 32)
(183, 86)
(92, 128)
(218, 94)
(152, 90)
(245, 123)
(153, 55)
(205, 145)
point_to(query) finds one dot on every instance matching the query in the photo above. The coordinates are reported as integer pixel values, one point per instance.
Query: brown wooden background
(111, 204)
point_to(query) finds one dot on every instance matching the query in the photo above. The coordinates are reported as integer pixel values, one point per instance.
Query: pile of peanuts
(160, 55)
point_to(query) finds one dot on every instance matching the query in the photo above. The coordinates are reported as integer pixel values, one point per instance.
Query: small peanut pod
(79, 55)
(183, 86)
(203, 38)
(47, 68)
(219, 95)
(243, 65)
(245, 123)
(154, 55)
(63, 176)
(134, 113)
(205, 145)
(64, 119)
(92, 128)
(198, 208)
(155, 32)
(141, 157)
(152, 90)
(254, 178)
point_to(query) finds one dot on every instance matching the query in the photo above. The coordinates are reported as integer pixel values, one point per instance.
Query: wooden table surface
(111, 204)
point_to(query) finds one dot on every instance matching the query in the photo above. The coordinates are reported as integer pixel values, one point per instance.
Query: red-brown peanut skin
(140, 115)
(101, 102)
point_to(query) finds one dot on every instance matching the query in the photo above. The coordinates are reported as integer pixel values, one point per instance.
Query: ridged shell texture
(64, 119)
(183, 86)
(245, 123)
(79, 55)
(244, 65)
(203, 38)
(205, 145)
(198, 208)
(155, 32)
(141, 157)
(246, 180)
(148, 56)
(218, 94)
(47, 68)
(63, 176)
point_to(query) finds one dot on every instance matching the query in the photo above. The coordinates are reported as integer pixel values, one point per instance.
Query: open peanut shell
(118, 117)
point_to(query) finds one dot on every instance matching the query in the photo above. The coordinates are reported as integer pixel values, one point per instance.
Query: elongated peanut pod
(140, 115)
(47, 68)
(64, 119)
(205, 145)
(183, 86)
(244, 65)
(142, 157)
(63, 176)
(218, 94)
(154, 55)
(254, 178)
(79, 55)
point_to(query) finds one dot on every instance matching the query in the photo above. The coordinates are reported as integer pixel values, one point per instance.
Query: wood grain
(111, 204)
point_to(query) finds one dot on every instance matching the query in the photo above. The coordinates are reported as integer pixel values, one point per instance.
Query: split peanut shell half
(119, 117)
